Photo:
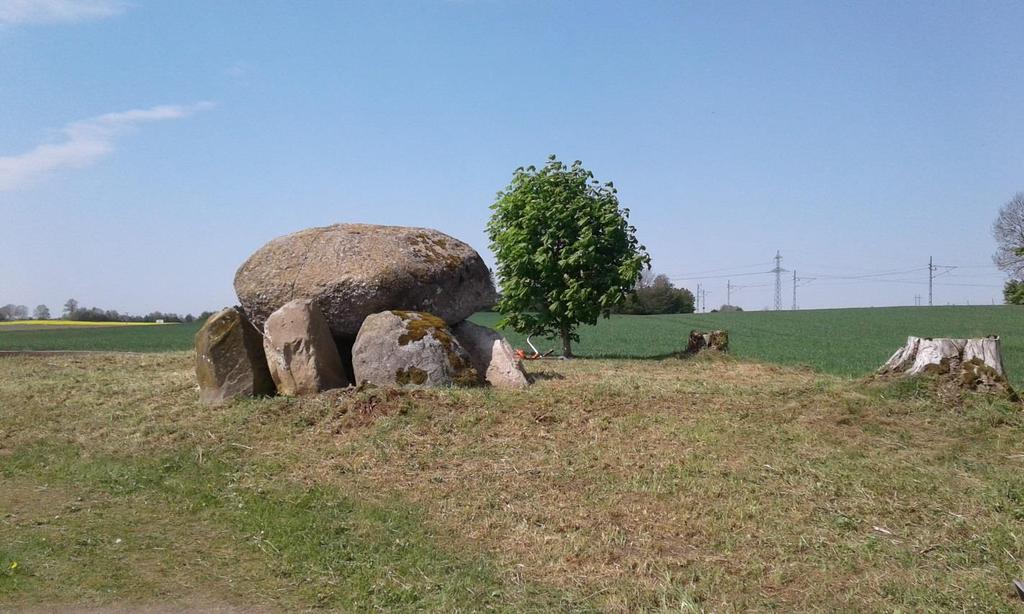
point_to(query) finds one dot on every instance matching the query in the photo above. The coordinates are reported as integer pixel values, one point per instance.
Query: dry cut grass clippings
(703, 484)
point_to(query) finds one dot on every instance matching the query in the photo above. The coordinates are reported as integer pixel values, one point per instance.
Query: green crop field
(161, 338)
(849, 342)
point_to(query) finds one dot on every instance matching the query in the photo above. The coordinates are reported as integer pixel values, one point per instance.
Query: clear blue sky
(147, 148)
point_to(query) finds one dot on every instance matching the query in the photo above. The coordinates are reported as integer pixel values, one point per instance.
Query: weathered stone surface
(229, 359)
(492, 356)
(410, 349)
(354, 270)
(300, 350)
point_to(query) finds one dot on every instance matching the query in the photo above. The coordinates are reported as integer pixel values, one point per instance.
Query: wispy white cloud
(240, 72)
(20, 12)
(83, 143)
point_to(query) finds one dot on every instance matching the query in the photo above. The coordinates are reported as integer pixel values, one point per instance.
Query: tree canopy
(565, 251)
(1013, 292)
(654, 295)
(1008, 231)
(13, 312)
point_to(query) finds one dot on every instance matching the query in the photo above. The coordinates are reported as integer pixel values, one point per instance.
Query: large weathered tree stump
(713, 340)
(975, 364)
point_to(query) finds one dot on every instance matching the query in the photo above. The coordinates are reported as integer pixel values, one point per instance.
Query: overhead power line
(869, 275)
(719, 276)
(939, 276)
(696, 274)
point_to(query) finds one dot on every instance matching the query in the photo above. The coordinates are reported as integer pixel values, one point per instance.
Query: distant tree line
(13, 312)
(72, 311)
(654, 294)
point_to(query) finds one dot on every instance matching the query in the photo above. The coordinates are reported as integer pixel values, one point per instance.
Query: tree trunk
(566, 344)
(973, 363)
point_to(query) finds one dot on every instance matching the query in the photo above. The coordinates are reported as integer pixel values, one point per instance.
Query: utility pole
(917, 300)
(728, 292)
(704, 300)
(778, 280)
(696, 298)
(931, 276)
(794, 289)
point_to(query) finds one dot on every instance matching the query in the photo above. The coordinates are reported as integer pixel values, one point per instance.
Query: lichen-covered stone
(229, 359)
(492, 355)
(354, 270)
(410, 349)
(300, 350)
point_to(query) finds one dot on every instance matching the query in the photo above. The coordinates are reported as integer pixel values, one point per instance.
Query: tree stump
(713, 340)
(975, 364)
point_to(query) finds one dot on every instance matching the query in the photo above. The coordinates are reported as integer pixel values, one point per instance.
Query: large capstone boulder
(229, 359)
(300, 350)
(492, 355)
(354, 270)
(410, 349)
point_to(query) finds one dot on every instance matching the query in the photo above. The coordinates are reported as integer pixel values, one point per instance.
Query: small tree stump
(713, 340)
(975, 364)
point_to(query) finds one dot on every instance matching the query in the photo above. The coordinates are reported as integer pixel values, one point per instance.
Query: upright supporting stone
(229, 359)
(300, 350)
(492, 356)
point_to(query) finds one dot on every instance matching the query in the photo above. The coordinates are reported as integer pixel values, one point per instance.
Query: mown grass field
(708, 484)
(849, 342)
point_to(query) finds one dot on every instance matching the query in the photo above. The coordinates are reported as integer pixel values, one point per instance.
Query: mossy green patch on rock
(410, 375)
(464, 375)
(419, 324)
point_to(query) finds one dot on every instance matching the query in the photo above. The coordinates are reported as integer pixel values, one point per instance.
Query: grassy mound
(611, 485)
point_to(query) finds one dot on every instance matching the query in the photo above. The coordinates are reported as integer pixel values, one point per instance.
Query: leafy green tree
(656, 295)
(1008, 231)
(70, 308)
(565, 250)
(1013, 292)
